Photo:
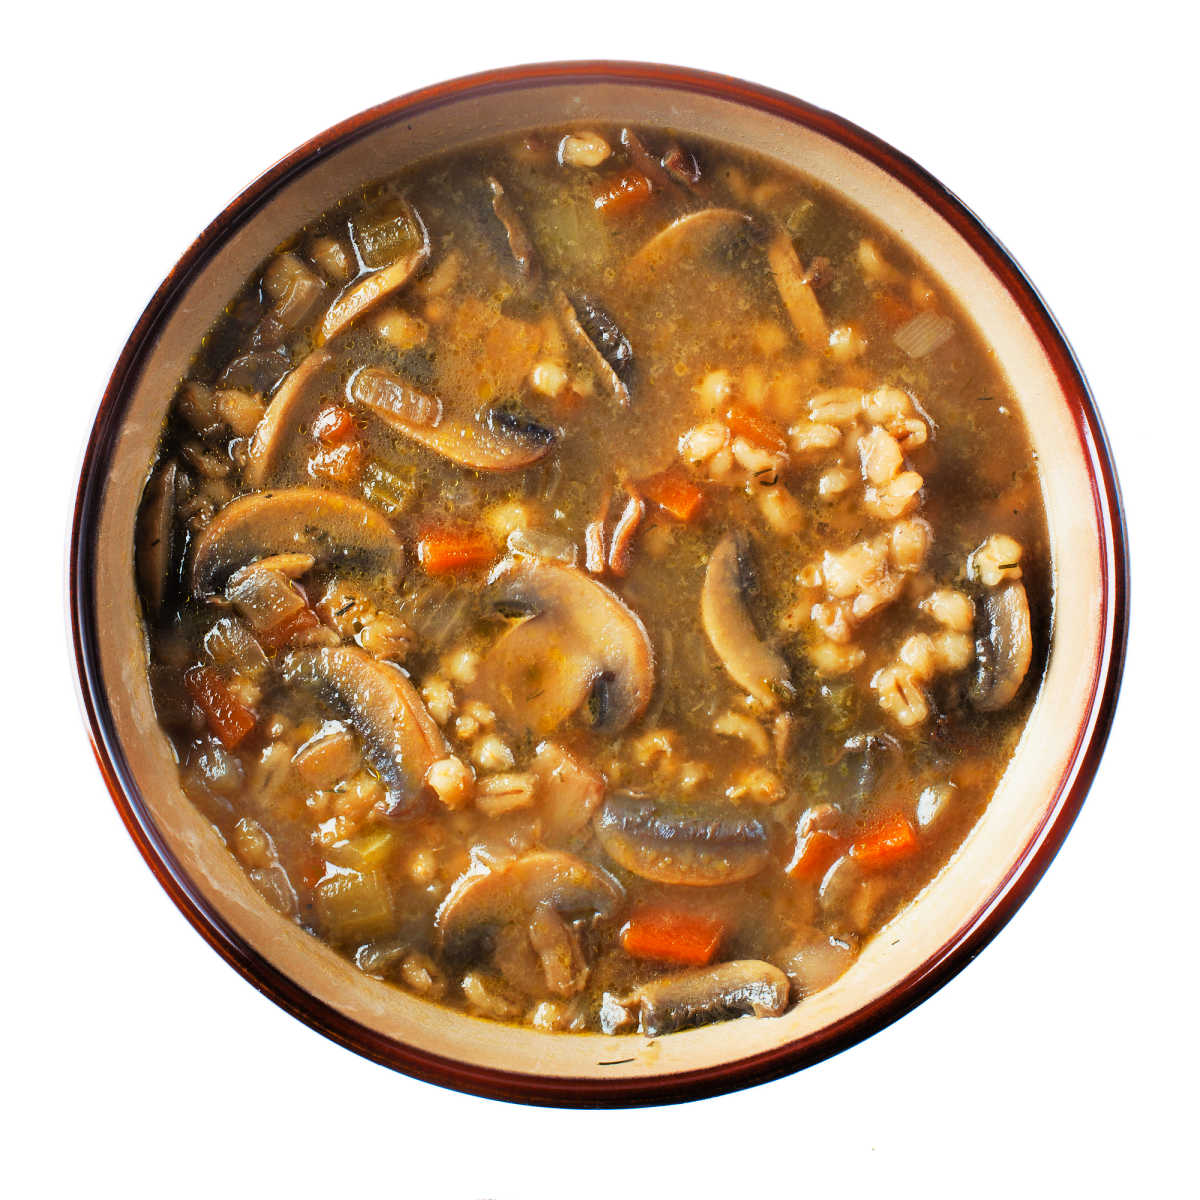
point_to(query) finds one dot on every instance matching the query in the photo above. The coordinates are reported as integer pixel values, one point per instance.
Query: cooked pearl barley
(548, 378)
(846, 343)
(715, 390)
(997, 559)
(834, 482)
(452, 781)
(585, 149)
(950, 608)
(492, 753)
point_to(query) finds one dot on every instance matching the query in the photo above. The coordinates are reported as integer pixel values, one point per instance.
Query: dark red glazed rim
(993, 912)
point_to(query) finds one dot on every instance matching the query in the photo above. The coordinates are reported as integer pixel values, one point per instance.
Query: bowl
(931, 939)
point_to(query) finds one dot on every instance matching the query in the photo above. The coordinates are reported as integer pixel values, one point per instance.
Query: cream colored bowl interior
(916, 935)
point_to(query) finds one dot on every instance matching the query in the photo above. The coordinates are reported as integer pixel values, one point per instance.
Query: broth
(594, 581)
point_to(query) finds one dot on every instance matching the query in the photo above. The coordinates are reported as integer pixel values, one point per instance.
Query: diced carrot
(814, 855)
(342, 463)
(670, 935)
(891, 839)
(625, 193)
(893, 310)
(334, 425)
(447, 551)
(227, 716)
(278, 635)
(756, 429)
(674, 492)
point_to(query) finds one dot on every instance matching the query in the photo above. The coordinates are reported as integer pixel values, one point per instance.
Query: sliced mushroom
(862, 763)
(646, 162)
(502, 441)
(606, 348)
(849, 896)
(282, 418)
(301, 520)
(744, 987)
(518, 237)
(1004, 648)
(155, 537)
(399, 737)
(479, 902)
(560, 956)
(668, 841)
(686, 238)
(579, 644)
(356, 298)
(796, 292)
(751, 663)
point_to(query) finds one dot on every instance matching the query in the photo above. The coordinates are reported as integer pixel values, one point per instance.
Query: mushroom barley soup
(594, 580)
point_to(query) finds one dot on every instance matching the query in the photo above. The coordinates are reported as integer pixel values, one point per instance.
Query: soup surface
(593, 579)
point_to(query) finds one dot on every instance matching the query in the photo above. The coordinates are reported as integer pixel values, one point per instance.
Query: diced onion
(535, 543)
(230, 644)
(924, 334)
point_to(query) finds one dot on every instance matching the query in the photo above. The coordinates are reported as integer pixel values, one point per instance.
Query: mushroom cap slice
(399, 737)
(1004, 649)
(364, 293)
(751, 663)
(796, 292)
(519, 242)
(695, 844)
(611, 367)
(155, 539)
(300, 520)
(580, 643)
(479, 901)
(504, 443)
(744, 987)
(282, 418)
(685, 238)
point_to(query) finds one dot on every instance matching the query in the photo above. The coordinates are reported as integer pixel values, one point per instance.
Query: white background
(1062, 1061)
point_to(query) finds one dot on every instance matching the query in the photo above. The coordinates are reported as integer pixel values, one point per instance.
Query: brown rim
(970, 939)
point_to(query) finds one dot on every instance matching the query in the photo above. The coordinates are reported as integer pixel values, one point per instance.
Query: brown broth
(470, 329)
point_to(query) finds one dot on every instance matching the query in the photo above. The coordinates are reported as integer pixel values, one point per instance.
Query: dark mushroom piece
(606, 348)
(356, 298)
(399, 737)
(156, 536)
(1004, 647)
(324, 524)
(519, 241)
(479, 903)
(646, 162)
(751, 663)
(862, 762)
(745, 987)
(701, 844)
(579, 647)
(503, 441)
(282, 418)
(256, 372)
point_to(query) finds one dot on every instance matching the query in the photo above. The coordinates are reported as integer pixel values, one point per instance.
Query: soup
(593, 581)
